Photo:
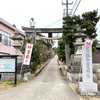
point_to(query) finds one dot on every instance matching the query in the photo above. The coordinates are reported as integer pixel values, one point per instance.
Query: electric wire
(76, 7)
(53, 23)
(76, 4)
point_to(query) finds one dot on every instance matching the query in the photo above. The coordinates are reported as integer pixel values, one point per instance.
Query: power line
(53, 22)
(66, 10)
(76, 6)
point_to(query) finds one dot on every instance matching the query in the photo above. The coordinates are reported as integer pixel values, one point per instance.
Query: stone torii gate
(45, 30)
(42, 30)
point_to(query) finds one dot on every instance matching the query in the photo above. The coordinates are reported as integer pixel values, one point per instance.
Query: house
(9, 36)
(6, 32)
(96, 58)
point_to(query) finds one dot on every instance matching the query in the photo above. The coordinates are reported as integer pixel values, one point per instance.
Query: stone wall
(25, 75)
(96, 69)
(75, 74)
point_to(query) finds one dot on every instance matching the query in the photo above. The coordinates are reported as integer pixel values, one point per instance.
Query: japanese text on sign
(28, 52)
(7, 65)
(88, 62)
(87, 74)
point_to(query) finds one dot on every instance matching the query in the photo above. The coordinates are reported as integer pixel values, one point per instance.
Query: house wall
(6, 29)
(96, 57)
(5, 26)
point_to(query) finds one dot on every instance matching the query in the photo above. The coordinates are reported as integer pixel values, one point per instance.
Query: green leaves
(61, 50)
(39, 53)
(26, 40)
(87, 22)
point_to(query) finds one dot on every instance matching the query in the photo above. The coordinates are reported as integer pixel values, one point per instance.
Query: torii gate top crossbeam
(42, 30)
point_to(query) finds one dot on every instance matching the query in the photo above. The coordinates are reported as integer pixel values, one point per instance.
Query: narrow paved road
(48, 85)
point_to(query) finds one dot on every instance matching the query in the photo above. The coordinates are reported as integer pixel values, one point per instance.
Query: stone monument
(74, 70)
(87, 86)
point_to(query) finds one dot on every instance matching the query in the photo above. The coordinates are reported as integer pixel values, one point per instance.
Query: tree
(87, 22)
(90, 20)
(61, 50)
(39, 53)
(55, 49)
(35, 58)
(26, 40)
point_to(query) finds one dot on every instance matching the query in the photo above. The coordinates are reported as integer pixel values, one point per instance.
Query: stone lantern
(17, 38)
(74, 70)
(78, 44)
(78, 53)
(78, 50)
(17, 41)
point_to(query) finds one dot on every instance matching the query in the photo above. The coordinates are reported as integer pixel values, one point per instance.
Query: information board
(7, 64)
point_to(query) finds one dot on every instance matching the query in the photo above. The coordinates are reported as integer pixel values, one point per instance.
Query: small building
(96, 63)
(96, 57)
(6, 32)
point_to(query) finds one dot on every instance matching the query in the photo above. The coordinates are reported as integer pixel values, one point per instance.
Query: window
(0, 31)
(0, 37)
(5, 38)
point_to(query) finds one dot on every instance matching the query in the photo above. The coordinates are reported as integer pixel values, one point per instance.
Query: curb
(39, 70)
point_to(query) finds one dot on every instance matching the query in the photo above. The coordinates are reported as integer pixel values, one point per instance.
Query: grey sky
(44, 12)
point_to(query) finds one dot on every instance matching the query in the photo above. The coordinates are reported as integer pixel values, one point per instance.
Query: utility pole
(67, 50)
(67, 9)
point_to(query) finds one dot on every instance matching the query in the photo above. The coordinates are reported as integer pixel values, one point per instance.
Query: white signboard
(7, 65)
(87, 73)
(28, 52)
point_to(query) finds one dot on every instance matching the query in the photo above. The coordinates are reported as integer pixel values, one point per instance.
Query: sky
(45, 12)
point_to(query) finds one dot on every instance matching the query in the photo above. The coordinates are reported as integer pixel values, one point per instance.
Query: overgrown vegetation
(40, 52)
(11, 83)
(87, 22)
(61, 50)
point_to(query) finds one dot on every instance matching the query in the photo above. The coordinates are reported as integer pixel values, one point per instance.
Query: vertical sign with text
(87, 73)
(28, 52)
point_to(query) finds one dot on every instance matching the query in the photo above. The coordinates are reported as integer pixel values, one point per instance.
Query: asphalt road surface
(49, 84)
